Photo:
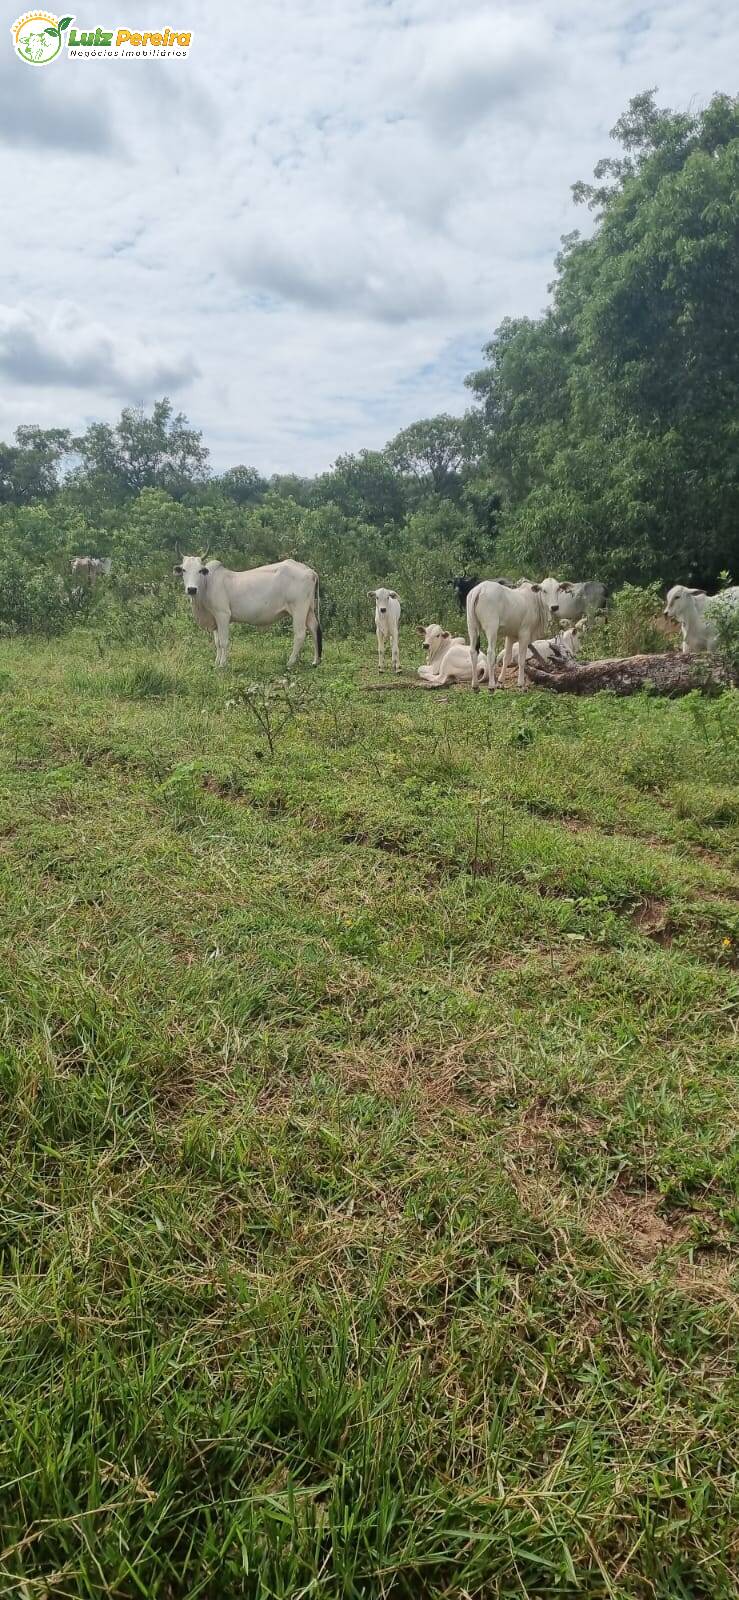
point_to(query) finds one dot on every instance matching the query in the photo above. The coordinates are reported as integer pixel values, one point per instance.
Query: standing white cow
(523, 614)
(692, 608)
(448, 659)
(92, 568)
(259, 596)
(387, 618)
(569, 602)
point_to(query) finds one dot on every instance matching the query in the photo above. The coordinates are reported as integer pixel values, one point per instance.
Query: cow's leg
(299, 632)
(380, 651)
(316, 635)
(474, 637)
(523, 650)
(216, 647)
(507, 655)
(222, 627)
(396, 651)
(492, 653)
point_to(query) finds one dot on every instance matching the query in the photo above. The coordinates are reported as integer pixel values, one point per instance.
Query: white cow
(569, 602)
(449, 659)
(688, 607)
(259, 596)
(387, 617)
(563, 647)
(523, 614)
(92, 568)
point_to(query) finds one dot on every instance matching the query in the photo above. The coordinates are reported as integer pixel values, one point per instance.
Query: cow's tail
(473, 625)
(317, 610)
(473, 633)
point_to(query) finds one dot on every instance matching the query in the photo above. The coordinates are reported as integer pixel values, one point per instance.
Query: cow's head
(381, 597)
(679, 602)
(193, 570)
(561, 600)
(433, 636)
(436, 640)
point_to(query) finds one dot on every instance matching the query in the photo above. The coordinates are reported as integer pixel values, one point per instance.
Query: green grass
(368, 1179)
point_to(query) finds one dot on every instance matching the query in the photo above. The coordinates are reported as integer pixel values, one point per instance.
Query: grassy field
(369, 1114)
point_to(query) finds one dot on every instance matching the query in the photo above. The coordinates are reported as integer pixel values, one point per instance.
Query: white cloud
(304, 233)
(480, 67)
(69, 350)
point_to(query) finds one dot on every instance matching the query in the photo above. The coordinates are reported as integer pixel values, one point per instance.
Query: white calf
(523, 614)
(449, 659)
(387, 617)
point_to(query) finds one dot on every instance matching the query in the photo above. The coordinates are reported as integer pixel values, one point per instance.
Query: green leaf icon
(53, 31)
(64, 23)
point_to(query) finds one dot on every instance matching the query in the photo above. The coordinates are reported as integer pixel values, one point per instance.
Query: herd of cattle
(529, 616)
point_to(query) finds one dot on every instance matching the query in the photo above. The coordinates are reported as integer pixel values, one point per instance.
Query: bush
(37, 601)
(724, 615)
(632, 627)
(126, 613)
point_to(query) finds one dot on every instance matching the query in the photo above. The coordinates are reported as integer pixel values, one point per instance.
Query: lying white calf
(564, 647)
(387, 617)
(449, 659)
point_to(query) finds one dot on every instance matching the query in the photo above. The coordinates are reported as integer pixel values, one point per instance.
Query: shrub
(724, 615)
(37, 601)
(126, 613)
(633, 625)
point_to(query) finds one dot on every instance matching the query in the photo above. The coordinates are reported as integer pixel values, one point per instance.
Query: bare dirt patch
(634, 1222)
(652, 918)
(435, 1075)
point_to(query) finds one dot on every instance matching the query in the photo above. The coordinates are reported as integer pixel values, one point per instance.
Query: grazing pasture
(369, 1115)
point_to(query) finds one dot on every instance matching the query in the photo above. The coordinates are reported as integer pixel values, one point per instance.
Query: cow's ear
(567, 586)
(446, 635)
(696, 591)
(203, 572)
(178, 569)
(536, 588)
(421, 633)
(372, 594)
(393, 595)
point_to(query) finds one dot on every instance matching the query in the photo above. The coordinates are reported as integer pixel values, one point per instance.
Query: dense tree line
(602, 439)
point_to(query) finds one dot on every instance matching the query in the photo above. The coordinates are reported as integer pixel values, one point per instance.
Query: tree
(160, 451)
(611, 420)
(242, 484)
(366, 487)
(432, 451)
(29, 469)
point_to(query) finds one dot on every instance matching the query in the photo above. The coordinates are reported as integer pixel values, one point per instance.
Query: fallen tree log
(669, 674)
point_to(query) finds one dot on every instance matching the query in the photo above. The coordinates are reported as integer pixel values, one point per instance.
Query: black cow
(462, 587)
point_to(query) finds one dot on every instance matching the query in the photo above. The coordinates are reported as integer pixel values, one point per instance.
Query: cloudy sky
(304, 233)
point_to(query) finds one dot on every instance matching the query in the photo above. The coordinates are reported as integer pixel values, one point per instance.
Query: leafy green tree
(365, 486)
(30, 469)
(142, 452)
(611, 421)
(431, 451)
(242, 484)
